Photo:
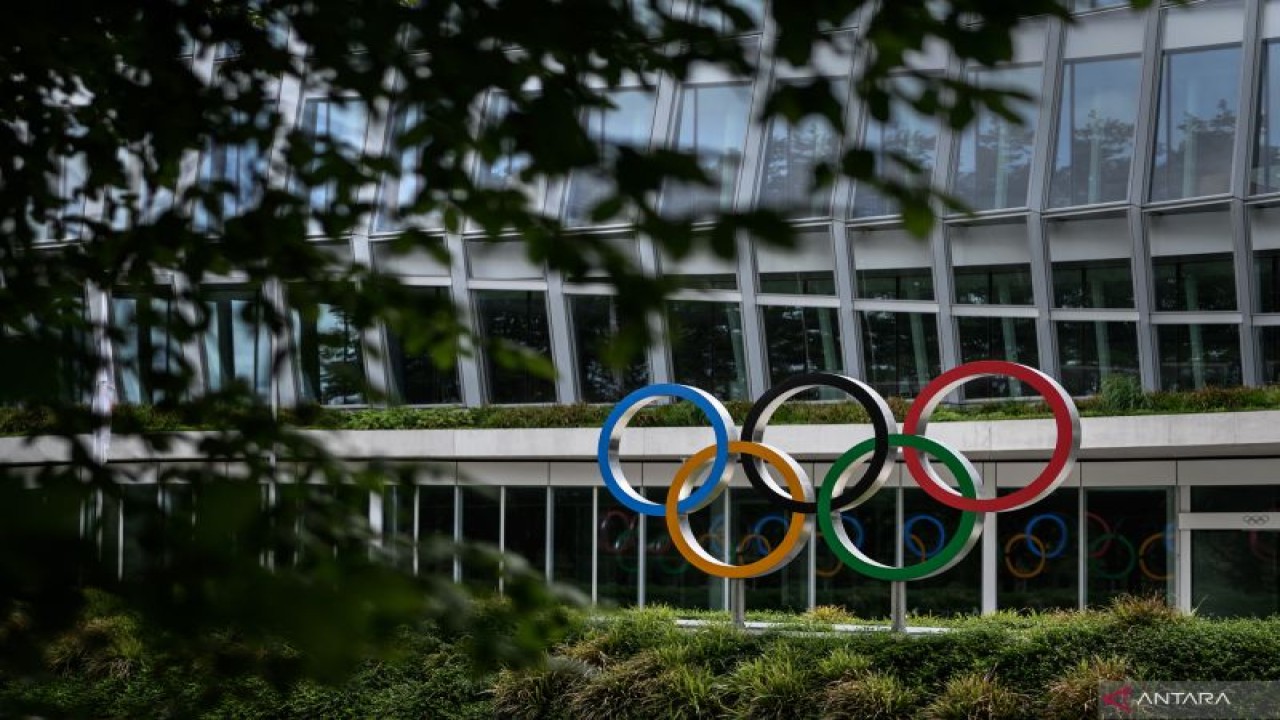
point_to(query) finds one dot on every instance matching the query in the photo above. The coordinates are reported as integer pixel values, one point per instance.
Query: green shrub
(539, 692)
(974, 696)
(1122, 394)
(871, 696)
(618, 691)
(1143, 610)
(780, 683)
(1074, 695)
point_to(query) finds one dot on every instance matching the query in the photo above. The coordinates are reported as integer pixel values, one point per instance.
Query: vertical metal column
(897, 588)
(1139, 182)
(1252, 71)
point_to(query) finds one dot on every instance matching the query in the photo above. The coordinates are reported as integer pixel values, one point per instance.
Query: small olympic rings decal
(857, 474)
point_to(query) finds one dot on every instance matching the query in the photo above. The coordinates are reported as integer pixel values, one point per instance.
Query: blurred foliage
(109, 111)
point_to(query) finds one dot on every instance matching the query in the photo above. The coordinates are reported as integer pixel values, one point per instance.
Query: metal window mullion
(1247, 115)
(1148, 97)
(1042, 289)
(372, 339)
(562, 355)
(846, 289)
(1143, 297)
(1250, 367)
(753, 339)
(595, 545)
(549, 497)
(457, 530)
(666, 106)
(948, 147)
(1043, 150)
(502, 535)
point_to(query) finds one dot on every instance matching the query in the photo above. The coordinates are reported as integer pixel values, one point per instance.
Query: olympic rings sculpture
(801, 503)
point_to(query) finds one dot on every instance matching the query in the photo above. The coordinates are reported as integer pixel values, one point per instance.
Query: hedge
(1120, 396)
(640, 664)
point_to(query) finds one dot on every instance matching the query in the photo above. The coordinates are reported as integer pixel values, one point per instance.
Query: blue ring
(859, 533)
(1058, 549)
(683, 392)
(1168, 538)
(935, 522)
(767, 519)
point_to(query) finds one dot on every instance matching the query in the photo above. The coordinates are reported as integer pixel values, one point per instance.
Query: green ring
(955, 550)
(1095, 564)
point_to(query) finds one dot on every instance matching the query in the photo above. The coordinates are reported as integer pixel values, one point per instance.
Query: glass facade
(1139, 237)
(1129, 186)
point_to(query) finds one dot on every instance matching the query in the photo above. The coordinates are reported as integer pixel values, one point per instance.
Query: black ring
(881, 420)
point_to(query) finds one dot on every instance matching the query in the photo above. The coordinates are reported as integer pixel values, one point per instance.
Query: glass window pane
(436, 514)
(525, 533)
(1196, 125)
(1269, 346)
(1194, 282)
(401, 189)
(907, 135)
(900, 351)
(706, 347)
(801, 340)
(595, 323)
(756, 528)
(237, 345)
(334, 127)
(669, 578)
(994, 162)
(1235, 573)
(517, 318)
(1130, 543)
(480, 518)
(893, 265)
(1266, 264)
(805, 269)
(1266, 147)
(1091, 263)
(1089, 352)
(1012, 339)
(713, 126)
(927, 526)
(992, 265)
(872, 527)
(791, 153)
(1039, 563)
(505, 171)
(1095, 133)
(147, 357)
(572, 543)
(701, 270)
(618, 540)
(415, 363)
(627, 124)
(330, 356)
(1196, 356)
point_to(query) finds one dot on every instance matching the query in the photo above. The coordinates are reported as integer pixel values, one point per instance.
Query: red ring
(1106, 532)
(1063, 452)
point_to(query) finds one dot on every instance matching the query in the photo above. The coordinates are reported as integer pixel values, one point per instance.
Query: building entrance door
(1235, 563)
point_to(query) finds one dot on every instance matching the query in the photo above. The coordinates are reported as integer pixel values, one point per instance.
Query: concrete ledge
(1165, 437)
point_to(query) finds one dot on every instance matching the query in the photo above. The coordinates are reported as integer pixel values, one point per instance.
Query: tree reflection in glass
(994, 163)
(1095, 133)
(1196, 130)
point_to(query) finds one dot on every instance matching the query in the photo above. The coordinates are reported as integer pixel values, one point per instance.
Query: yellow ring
(797, 532)
(921, 550)
(1142, 561)
(754, 536)
(1008, 563)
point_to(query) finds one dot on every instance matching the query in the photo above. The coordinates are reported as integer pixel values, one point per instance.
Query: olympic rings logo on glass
(838, 492)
